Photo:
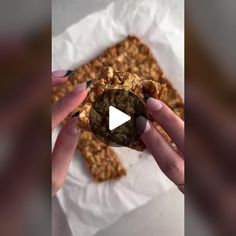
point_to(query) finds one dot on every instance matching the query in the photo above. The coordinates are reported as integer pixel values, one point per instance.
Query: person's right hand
(169, 160)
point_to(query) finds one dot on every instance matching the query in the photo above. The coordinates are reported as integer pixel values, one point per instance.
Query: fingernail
(80, 88)
(142, 124)
(62, 73)
(146, 98)
(76, 114)
(154, 104)
(88, 83)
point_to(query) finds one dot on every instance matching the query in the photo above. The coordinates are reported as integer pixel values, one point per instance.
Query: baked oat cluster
(108, 80)
(133, 56)
(126, 134)
(130, 55)
(101, 160)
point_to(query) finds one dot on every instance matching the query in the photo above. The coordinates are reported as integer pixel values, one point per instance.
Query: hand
(68, 137)
(170, 161)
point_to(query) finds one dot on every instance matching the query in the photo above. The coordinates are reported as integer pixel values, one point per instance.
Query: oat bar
(109, 79)
(130, 55)
(101, 160)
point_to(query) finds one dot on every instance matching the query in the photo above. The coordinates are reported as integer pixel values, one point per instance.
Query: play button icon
(112, 117)
(117, 118)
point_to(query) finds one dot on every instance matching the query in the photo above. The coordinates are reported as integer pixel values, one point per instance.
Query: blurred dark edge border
(25, 113)
(210, 133)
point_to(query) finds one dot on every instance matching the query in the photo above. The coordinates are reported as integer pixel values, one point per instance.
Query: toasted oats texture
(126, 134)
(114, 88)
(109, 79)
(130, 55)
(102, 162)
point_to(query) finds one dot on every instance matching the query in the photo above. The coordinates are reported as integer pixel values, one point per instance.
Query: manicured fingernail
(142, 124)
(147, 127)
(62, 73)
(76, 114)
(88, 83)
(80, 88)
(154, 104)
(146, 98)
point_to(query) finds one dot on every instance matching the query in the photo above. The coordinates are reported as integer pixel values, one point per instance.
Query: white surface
(88, 206)
(159, 23)
(164, 216)
(117, 118)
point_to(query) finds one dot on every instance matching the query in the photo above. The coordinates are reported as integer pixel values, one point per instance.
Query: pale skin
(68, 137)
(169, 160)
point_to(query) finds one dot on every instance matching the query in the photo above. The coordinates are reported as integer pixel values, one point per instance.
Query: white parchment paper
(90, 206)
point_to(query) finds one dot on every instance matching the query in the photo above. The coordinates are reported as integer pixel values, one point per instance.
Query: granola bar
(130, 55)
(108, 80)
(101, 160)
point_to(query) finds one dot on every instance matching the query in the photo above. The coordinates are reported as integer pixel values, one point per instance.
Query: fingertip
(72, 127)
(62, 108)
(142, 125)
(58, 81)
(139, 123)
(88, 83)
(79, 88)
(76, 114)
(146, 98)
(62, 73)
(154, 104)
(60, 76)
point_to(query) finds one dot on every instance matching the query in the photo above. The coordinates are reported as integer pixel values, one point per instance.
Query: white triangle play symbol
(116, 118)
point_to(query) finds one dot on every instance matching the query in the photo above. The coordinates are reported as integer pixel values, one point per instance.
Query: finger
(67, 104)
(62, 154)
(168, 120)
(60, 76)
(168, 160)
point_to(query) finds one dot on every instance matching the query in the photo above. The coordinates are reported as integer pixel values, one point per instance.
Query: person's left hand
(169, 159)
(68, 137)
